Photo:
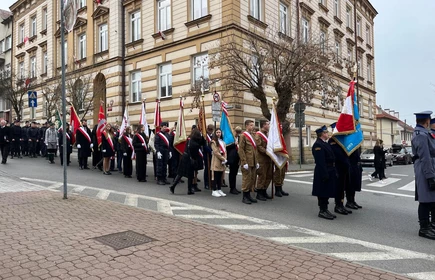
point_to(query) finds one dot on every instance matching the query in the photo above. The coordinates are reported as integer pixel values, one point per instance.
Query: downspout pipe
(123, 92)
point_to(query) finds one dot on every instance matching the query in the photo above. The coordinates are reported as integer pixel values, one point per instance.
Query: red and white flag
(157, 116)
(74, 122)
(143, 119)
(276, 147)
(101, 124)
(180, 138)
(125, 123)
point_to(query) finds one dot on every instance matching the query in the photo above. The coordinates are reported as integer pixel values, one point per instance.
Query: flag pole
(273, 164)
(64, 142)
(204, 124)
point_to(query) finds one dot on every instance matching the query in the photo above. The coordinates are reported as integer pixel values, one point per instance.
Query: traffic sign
(216, 97)
(216, 111)
(33, 99)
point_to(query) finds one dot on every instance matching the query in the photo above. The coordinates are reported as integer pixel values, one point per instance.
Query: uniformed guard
(423, 149)
(68, 145)
(342, 164)
(25, 142)
(325, 174)
(432, 211)
(265, 171)
(355, 180)
(161, 144)
(234, 161)
(16, 138)
(33, 139)
(248, 161)
(84, 144)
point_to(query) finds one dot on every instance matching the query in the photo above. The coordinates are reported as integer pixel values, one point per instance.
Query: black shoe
(190, 190)
(253, 200)
(181, 181)
(260, 195)
(20, 157)
(278, 191)
(199, 181)
(81, 168)
(266, 195)
(351, 205)
(224, 186)
(160, 182)
(325, 215)
(127, 176)
(334, 216)
(107, 173)
(172, 189)
(283, 192)
(340, 210)
(234, 191)
(195, 188)
(357, 205)
(246, 199)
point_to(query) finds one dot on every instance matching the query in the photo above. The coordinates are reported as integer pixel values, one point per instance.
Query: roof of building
(407, 126)
(385, 115)
(4, 14)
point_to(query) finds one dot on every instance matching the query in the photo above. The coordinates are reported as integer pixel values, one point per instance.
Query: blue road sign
(33, 99)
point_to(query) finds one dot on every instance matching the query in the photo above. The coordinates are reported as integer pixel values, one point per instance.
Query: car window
(403, 151)
(369, 151)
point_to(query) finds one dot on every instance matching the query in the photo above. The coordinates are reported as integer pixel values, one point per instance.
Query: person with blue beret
(325, 174)
(423, 149)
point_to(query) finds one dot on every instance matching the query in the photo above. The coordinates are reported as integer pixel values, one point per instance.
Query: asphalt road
(387, 224)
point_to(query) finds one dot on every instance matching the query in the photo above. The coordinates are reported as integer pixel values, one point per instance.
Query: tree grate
(125, 239)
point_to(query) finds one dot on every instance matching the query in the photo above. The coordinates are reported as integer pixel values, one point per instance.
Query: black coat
(325, 174)
(191, 158)
(33, 133)
(85, 150)
(5, 135)
(137, 143)
(355, 171)
(233, 155)
(16, 132)
(24, 131)
(106, 148)
(160, 144)
(68, 142)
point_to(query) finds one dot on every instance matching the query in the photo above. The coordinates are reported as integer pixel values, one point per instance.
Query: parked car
(368, 158)
(402, 156)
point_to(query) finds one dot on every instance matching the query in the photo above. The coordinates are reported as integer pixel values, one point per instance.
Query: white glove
(224, 162)
(159, 155)
(46, 144)
(92, 145)
(258, 165)
(78, 146)
(103, 151)
(170, 155)
(124, 154)
(246, 166)
(143, 144)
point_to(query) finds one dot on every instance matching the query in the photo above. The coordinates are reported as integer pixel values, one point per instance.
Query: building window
(322, 41)
(65, 46)
(349, 54)
(369, 71)
(136, 87)
(199, 9)
(82, 46)
(135, 26)
(200, 70)
(8, 42)
(339, 98)
(21, 70)
(323, 2)
(81, 3)
(368, 41)
(33, 67)
(33, 26)
(358, 26)
(360, 106)
(338, 50)
(2, 46)
(164, 14)
(256, 9)
(336, 5)
(255, 69)
(103, 38)
(165, 80)
(349, 17)
(370, 109)
(44, 18)
(305, 30)
(45, 62)
(21, 33)
(308, 137)
(283, 19)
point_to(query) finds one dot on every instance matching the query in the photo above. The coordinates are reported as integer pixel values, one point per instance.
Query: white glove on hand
(46, 144)
(124, 154)
(103, 151)
(170, 155)
(224, 162)
(258, 165)
(79, 146)
(246, 166)
(159, 155)
(92, 145)
(143, 144)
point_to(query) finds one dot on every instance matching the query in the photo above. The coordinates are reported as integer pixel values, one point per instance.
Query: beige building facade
(156, 49)
(6, 22)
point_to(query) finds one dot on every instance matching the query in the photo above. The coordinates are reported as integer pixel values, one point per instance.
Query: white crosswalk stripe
(409, 187)
(385, 182)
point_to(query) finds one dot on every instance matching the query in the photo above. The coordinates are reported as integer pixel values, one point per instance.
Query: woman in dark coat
(96, 153)
(68, 145)
(127, 150)
(141, 150)
(107, 148)
(379, 161)
(191, 161)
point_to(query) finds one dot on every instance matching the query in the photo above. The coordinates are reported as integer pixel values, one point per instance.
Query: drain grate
(125, 239)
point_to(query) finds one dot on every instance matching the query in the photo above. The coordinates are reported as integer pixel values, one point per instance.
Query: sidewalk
(43, 236)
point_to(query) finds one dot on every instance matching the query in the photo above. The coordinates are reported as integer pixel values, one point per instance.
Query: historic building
(123, 52)
(5, 57)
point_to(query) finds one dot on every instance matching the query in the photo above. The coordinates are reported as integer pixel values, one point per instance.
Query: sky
(404, 61)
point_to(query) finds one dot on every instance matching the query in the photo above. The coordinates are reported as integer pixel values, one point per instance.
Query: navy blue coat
(325, 174)
(355, 171)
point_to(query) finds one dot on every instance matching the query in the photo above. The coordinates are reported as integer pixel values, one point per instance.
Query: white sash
(248, 135)
(109, 139)
(142, 140)
(130, 144)
(85, 133)
(163, 137)
(222, 147)
(262, 136)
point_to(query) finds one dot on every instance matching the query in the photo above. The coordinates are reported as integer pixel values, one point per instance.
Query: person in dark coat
(234, 161)
(325, 174)
(107, 148)
(68, 145)
(161, 144)
(84, 144)
(141, 149)
(16, 138)
(423, 149)
(33, 136)
(355, 180)
(25, 142)
(5, 137)
(207, 152)
(96, 153)
(379, 153)
(191, 161)
(43, 147)
(342, 165)
(127, 152)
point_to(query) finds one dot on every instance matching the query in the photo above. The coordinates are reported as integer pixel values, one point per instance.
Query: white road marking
(422, 275)
(400, 175)
(103, 194)
(202, 216)
(164, 206)
(387, 182)
(369, 256)
(389, 193)
(301, 175)
(409, 187)
(78, 189)
(177, 208)
(297, 181)
(295, 240)
(251, 227)
(299, 172)
(131, 200)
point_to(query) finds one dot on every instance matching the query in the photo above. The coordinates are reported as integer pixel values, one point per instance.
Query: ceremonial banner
(101, 124)
(74, 124)
(125, 123)
(143, 119)
(157, 116)
(276, 147)
(180, 138)
(227, 129)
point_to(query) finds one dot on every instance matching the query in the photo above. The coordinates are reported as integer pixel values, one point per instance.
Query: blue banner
(227, 131)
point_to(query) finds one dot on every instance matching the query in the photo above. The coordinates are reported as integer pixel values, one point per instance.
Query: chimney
(396, 114)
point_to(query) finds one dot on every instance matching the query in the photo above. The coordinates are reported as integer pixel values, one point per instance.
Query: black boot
(266, 195)
(340, 210)
(425, 230)
(234, 191)
(278, 191)
(195, 188)
(190, 190)
(246, 199)
(282, 191)
(260, 195)
(253, 200)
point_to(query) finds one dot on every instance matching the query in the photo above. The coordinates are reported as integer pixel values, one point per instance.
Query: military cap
(164, 124)
(432, 121)
(194, 126)
(16, 121)
(321, 129)
(423, 115)
(333, 125)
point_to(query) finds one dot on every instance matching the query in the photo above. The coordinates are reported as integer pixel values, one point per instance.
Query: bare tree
(79, 91)
(52, 97)
(294, 71)
(13, 88)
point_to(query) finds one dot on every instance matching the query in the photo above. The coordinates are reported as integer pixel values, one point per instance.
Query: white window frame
(21, 70)
(199, 9)
(336, 8)
(358, 26)
(136, 86)
(256, 9)
(339, 98)
(370, 109)
(308, 135)
(81, 48)
(369, 71)
(21, 33)
(8, 42)
(283, 19)
(200, 69)
(33, 67)
(44, 19)
(338, 50)
(360, 106)
(349, 17)
(368, 36)
(323, 2)
(103, 37)
(135, 26)
(305, 30)
(33, 25)
(163, 15)
(322, 41)
(349, 55)
(165, 77)
(81, 3)
(45, 62)
(255, 68)
(2, 46)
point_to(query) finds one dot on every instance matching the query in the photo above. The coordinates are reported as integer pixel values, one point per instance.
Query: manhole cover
(121, 240)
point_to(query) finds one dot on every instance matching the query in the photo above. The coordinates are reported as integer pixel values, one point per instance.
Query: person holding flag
(68, 144)
(84, 144)
(107, 147)
(161, 144)
(141, 150)
(265, 171)
(127, 150)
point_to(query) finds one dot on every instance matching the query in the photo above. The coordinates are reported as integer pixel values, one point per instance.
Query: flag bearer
(265, 171)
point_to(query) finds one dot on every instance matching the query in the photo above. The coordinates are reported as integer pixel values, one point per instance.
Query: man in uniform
(5, 136)
(42, 146)
(16, 138)
(234, 161)
(25, 142)
(84, 144)
(265, 171)
(325, 174)
(342, 164)
(355, 180)
(161, 144)
(33, 136)
(278, 180)
(248, 161)
(423, 149)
